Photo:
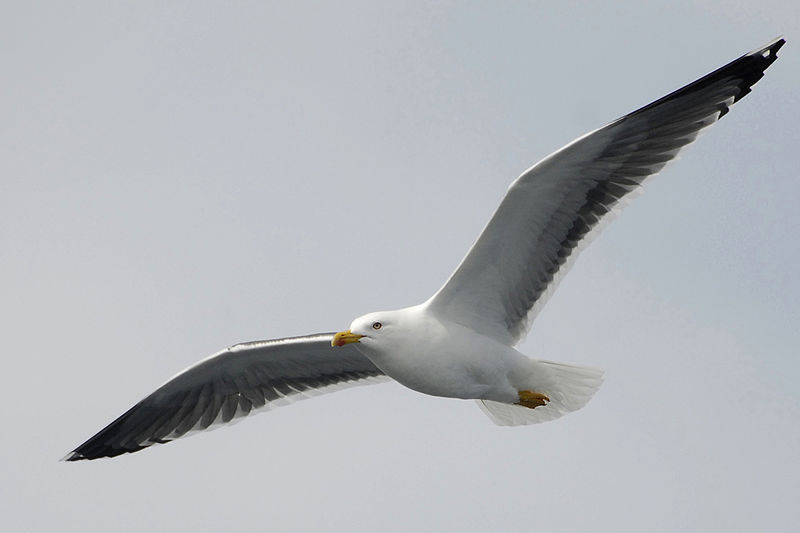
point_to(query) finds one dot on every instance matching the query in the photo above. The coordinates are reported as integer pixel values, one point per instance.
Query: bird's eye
(377, 325)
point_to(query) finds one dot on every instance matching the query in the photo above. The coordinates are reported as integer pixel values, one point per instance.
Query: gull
(460, 342)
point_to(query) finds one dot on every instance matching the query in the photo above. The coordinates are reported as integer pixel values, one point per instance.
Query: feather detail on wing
(230, 385)
(550, 210)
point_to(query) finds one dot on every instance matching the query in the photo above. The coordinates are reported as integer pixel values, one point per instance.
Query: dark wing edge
(588, 179)
(228, 386)
(747, 70)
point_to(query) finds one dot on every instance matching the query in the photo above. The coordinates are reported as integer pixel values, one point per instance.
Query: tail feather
(569, 388)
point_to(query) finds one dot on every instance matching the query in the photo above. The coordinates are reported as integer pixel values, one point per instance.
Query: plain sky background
(176, 177)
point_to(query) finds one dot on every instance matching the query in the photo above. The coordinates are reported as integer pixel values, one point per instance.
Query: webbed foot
(532, 399)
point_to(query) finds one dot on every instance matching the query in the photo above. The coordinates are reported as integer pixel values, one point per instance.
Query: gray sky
(177, 177)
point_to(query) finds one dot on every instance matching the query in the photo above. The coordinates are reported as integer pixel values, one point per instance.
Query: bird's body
(461, 342)
(434, 355)
(442, 358)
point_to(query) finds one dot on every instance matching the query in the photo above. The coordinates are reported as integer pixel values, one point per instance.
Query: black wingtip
(751, 66)
(90, 451)
(107, 443)
(746, 70)
(770, 49)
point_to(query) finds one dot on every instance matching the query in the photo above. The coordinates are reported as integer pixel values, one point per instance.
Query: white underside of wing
(602, 224)
(498, 290)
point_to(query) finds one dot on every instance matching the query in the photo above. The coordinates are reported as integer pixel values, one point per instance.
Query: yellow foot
(532, 399)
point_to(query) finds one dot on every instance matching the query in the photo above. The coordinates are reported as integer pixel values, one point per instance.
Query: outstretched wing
(551, 208)
(230, 385)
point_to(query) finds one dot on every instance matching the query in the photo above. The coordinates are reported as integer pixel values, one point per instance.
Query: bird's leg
(532, 399)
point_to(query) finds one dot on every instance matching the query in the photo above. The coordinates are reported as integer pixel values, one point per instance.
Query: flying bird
(460, 342)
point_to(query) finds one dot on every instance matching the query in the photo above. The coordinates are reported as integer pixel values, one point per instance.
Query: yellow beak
(344, 337)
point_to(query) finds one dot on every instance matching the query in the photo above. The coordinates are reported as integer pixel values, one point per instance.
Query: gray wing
(551, 208)
(230, 385)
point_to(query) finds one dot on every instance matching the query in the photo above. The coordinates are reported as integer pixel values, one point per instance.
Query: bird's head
(368, 330)
(379, 331)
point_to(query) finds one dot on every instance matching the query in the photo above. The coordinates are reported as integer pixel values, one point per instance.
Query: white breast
(442, 358)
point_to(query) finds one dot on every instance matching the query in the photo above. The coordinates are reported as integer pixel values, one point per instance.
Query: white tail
(569, 388)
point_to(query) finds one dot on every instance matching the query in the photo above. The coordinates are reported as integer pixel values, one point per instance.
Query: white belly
(454, 363)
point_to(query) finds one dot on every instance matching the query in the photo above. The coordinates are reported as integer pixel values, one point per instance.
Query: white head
(383, 330)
